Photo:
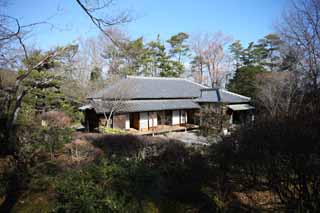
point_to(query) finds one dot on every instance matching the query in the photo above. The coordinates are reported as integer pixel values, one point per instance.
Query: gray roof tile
(143, 105)
(220, 95)
(150, 88)
(231, 97)
(138, 94)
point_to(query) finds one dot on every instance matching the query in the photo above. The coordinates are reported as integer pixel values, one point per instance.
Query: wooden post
(231, 118)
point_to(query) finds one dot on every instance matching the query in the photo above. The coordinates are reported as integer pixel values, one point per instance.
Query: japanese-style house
(144, 103)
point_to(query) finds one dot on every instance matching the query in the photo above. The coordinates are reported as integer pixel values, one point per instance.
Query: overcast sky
(246, 20)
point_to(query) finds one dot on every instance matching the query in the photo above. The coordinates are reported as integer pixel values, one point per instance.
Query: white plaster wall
(143, 120)
(175, 117)
(127, 121)
(153, 121)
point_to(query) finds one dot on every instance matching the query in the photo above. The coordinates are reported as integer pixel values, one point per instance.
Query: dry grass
(262, 200)
(124, 146)
(87, 147)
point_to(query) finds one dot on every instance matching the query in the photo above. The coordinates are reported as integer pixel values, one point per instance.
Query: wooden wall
(119, 121)
(134, 120)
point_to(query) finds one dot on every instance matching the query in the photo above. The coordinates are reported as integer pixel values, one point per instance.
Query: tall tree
(159, 56)
(197, 63)
(197, 68)
(244, 80)
(136, 57)
(236, 50)
(270, 46)
(256, 58)
(211, 49)
(300, 29)
(161, 62)
(179, 48)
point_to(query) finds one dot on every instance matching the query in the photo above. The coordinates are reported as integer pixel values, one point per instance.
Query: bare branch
(103, 23)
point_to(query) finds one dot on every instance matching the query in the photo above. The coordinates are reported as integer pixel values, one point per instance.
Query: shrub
(278, 155)
(56, 119)
(105, 187)
(111, 131)
(34, 140)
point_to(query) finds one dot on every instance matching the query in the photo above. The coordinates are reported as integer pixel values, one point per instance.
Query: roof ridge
(152, 77)
(167, 78)
(205, 87)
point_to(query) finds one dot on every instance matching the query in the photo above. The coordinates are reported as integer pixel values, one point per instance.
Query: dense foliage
(244, 80)
(256, 58)
(149, 59)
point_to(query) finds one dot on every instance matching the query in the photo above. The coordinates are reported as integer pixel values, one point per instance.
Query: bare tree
(98, 53)
(210, 57)
(278, 93)
(116, 104)
(198, 65)
(88, 57)
(300, 29)
(112, 104)
(112, 54)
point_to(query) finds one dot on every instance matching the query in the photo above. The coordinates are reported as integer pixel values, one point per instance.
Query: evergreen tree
(136, 57)
(178, 47)
(159, 56)
(44, 86)
(243, 81)
(162, 64)
(272, 45)
(236, 50)
(151, 59)
(256, 58)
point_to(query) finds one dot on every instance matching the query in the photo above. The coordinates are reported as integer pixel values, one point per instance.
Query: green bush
(111, 131)
(105, 187)
(51, 139)
(77, 192)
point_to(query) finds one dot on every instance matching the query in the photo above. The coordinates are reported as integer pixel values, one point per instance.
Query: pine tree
(243, 81)
(236, 50)
(179, 48)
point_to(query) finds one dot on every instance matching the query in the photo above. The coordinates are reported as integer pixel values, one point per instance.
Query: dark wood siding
(191, 116)
(135, 120)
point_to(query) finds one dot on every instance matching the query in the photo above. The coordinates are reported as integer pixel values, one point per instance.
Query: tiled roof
(137, 94)
(150, 88)
(221, 95)
(208, 96)
(142, 105)
(231, 97)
